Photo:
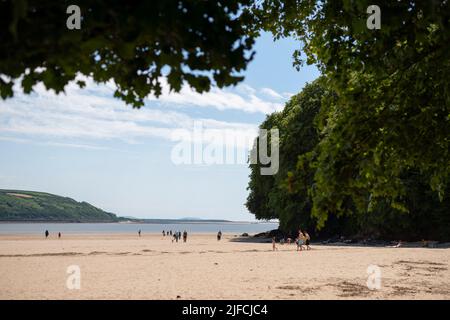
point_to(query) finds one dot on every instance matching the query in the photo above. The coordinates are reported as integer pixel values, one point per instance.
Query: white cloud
(12, 139)
(80, 118)
(271, 93)
(73, 145)
(54, 144)
(93, 113)
(221, 99)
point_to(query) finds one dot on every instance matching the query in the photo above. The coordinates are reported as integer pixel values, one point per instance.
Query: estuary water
(83, 228)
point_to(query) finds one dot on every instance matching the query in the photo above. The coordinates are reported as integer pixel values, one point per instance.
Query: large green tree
(286, 195)
(392, 114)
(305, 124)
(132, 43)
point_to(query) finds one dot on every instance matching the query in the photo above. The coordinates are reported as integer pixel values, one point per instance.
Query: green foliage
(285, 196)
(16, 205)
(305, 125)
(425, 217)
(134, 44)
(392, 112)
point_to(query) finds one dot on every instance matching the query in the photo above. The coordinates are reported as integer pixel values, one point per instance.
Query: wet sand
(124, 266)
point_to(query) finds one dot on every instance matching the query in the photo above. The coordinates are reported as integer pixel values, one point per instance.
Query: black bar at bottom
(222, 309)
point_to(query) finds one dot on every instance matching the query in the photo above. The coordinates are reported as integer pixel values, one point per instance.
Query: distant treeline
(17, 205)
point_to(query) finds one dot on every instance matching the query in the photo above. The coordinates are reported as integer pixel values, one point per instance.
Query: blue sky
(87, 145)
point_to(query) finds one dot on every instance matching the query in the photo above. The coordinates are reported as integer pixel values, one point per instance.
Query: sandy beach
(123, 266)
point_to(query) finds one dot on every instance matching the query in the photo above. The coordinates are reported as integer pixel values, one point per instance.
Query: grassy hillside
(18, 205)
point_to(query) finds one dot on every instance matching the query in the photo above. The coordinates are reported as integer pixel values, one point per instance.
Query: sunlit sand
(152, 267)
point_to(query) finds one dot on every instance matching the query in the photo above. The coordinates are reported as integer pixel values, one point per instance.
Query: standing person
(170, 232)
(46, 234)
(219, 235)
(164, 233)
(300, 240)
(59, 235)
(184, 236)
(307, 238)
(274, 247)
(139, 232)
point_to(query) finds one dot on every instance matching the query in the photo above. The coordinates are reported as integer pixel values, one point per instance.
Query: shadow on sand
(251, 239)
(427, 245)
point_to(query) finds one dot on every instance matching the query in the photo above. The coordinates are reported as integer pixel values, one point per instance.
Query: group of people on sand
(176, 235)
(48, 233)
(303, 239)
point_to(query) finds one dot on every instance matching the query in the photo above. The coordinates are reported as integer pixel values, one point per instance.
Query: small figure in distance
(274, 246)
(307, 239)
(219, 235)
(300, 240)
(164, 233)
(46, 234)
(184, 236)
(59, 235)
(139, 232)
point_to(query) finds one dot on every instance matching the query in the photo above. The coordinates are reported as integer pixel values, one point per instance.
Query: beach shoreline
(125, 266)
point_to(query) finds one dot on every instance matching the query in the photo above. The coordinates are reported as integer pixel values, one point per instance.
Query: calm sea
(230, 227)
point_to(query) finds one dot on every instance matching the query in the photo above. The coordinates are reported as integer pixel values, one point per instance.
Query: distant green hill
(18, 205)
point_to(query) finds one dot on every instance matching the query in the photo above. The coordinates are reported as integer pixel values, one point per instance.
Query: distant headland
(33, 206)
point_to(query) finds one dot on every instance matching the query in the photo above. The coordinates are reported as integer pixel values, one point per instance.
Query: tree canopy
(132, 43)
(392, 112)
(290, 194)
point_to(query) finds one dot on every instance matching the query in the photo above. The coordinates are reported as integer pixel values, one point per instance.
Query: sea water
(80, 228)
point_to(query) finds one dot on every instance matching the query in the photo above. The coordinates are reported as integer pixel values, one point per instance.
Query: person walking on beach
(274, 246)
(170, 232)
(307, 238)
(59, 235)
(184, 236)
(46, 234)
(300, 240)
(164, 233)
(139, 232)
(219, 235)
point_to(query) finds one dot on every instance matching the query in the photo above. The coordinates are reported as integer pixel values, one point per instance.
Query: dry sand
(152, 267)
